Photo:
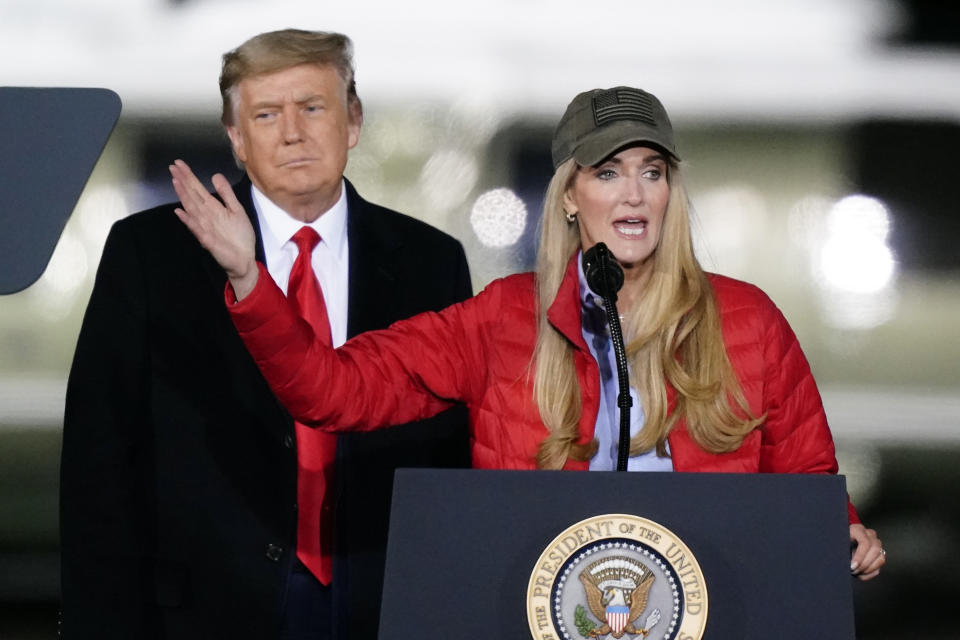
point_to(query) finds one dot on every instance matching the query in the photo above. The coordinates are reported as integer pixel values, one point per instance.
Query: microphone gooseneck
(605, 278)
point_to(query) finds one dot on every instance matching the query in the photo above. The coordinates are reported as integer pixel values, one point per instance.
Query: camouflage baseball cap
(600, 121)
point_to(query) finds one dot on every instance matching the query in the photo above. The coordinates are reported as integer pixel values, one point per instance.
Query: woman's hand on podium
(868, 554)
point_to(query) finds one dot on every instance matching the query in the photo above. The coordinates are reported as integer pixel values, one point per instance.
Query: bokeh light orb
(498, 217)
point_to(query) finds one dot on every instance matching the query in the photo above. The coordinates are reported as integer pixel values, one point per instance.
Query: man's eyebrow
(270, 102)
(310, 98)
(260, 104)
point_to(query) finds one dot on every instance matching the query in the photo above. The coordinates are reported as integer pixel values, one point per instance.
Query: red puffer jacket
(478, 352)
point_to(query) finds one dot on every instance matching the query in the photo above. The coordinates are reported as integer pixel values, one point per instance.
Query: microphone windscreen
(602, 271)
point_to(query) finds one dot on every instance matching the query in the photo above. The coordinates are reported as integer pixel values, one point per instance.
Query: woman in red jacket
(718, 380)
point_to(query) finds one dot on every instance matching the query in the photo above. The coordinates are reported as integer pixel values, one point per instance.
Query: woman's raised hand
(223, 228)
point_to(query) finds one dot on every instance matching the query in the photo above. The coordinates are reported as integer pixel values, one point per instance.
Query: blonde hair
(672, 336)
(278, 50)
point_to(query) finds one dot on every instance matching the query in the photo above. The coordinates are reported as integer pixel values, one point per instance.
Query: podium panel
(773, 549)
(50, 140)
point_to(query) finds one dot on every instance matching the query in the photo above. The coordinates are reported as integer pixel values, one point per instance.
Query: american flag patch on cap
(623, 104)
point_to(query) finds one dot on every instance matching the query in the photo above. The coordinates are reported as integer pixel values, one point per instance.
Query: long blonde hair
(672, 334)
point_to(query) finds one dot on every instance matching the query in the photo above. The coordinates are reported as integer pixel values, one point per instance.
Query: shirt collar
(587, 297)
(593, 315)
(331, 225)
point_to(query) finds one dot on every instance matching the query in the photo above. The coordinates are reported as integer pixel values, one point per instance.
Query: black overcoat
(178, 471)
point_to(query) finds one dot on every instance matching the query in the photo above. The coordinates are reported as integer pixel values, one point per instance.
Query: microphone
(604, 275)
(605, 278)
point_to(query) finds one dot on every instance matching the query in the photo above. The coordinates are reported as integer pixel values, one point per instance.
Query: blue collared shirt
(596, 333)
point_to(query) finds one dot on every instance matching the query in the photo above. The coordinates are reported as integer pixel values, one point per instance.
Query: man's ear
(236, 141)
(354, 123)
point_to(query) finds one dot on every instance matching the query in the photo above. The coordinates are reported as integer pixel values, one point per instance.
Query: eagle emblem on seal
(617, 589)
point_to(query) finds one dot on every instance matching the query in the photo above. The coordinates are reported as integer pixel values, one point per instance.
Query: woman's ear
(570, 202)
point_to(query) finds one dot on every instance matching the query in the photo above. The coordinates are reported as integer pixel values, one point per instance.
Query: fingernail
(854, 565)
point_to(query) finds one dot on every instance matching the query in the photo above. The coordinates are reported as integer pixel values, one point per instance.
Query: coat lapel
(372, 298)
(238, 363)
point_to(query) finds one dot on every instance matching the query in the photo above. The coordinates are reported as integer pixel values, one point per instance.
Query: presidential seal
(617, 576)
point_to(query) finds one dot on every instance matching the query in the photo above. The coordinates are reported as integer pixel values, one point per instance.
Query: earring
(570, 216)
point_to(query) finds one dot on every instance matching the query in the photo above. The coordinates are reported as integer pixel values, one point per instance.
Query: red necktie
(315, 449)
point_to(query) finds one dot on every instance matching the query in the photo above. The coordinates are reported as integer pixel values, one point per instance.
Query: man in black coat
(179, 469)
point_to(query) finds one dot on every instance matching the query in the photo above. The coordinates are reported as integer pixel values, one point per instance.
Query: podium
(773, 550)
(50, 140)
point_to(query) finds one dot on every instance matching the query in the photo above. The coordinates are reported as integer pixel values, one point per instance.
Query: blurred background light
(365, 171)
(498, 217)
(850, 264)
(855, 311)
(853, 265)
(859, 215)
(862, 467)
(854, 256)
(809, 59)
(447, 178)
(55, 292)
(728, 220)
(98, 209)
(806, 221)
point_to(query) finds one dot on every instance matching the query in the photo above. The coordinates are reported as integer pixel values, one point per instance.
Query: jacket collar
(564, 312)
(244, 192)
(375, 255)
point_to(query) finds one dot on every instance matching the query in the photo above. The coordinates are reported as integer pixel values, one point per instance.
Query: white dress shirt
(330, 257)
